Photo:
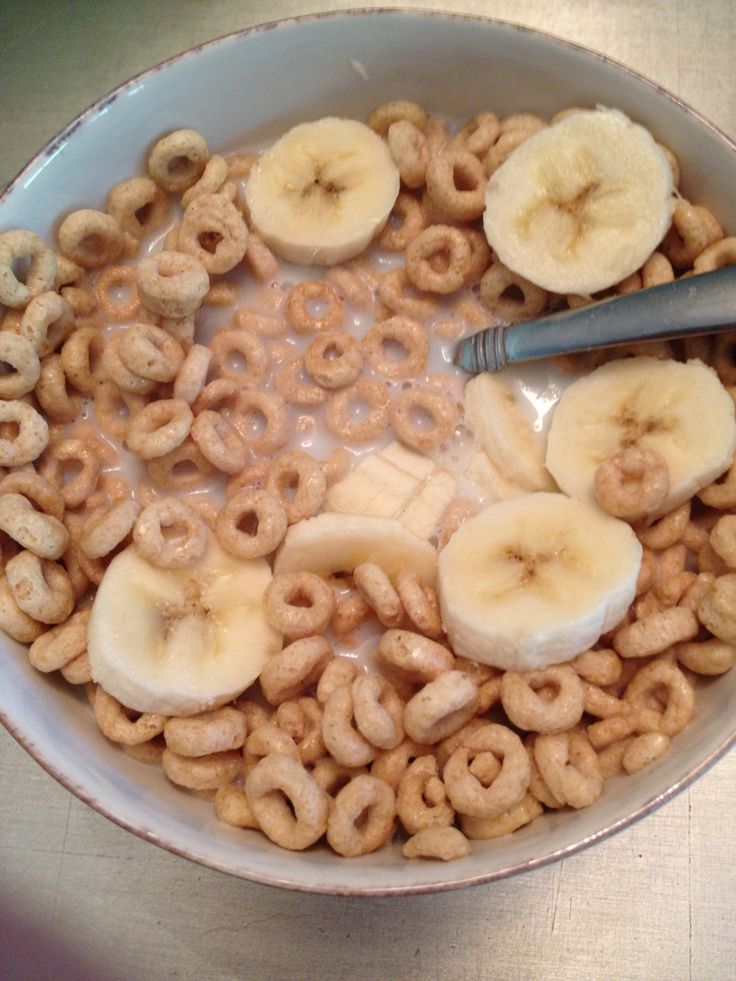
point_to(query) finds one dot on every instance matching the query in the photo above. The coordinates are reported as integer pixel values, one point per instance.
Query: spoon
(700, 304)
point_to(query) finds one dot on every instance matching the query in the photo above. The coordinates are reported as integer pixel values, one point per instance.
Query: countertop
(656, 901)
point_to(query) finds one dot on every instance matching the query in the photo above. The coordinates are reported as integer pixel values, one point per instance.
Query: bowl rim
(192, 854)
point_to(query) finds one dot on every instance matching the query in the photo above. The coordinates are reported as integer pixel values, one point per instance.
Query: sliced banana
(333, 543)
(322, 191)
(178, 641)
(489, 480)
(498, 424)
(680, 410)
(581, 204)
(398, 483)
(535, 580)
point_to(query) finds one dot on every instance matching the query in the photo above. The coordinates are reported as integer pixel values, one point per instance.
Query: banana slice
(535, 580)
(178, 641)
(322, 191)
(489, 480)
(680, 410)
(332, 543)
(498, 424)
(581, 204)
(398, 483)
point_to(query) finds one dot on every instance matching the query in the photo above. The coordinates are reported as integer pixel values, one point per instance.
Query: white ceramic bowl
(268, 78)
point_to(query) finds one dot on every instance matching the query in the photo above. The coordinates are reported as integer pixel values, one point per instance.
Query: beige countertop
(656, 901)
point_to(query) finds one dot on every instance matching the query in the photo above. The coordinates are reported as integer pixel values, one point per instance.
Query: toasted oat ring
(421, 800)
(351, 286)
(406, 221)
(215, 731)
(61, 645)
(688, 236)
(114, 408)
(213, 231)
(248, 347)
(598, 667)
(202, 772)
(420, 603)
(20, 354)
(362, 817)
(192, 374)
(252, 405)
(569, 766)
(509, 296)
(19, 244)
(378, 710)
(219, 442)
(444, 843)
(527, 710)
(484, 829)
(81, 359)
(298, 482)
(508, 140)
(632, 483)
(478, 134)
(110, 529)
(299, 604)
(331, 776)
(408, 146)
(716, 610)
(409, 410)
(342, 738)
(39, 491)
(177, 160)
(469, 794)
(411, 339)
(46, 322)
(263, 741)
(709, 657)
(656, 632)
(111, 283)
(214, 175)
(113, 721)
(416, 658)
(40, 587)
(679, 698)
(294, 825)
(334, 359)
(41, 533)
(118, 372)
(453, 249)
(456, 184)
(721, 493)
(185, 542)
(90, 238)
(181, 470)
(716, 256)
(258, 508)
(440, 708)
(294, 669)
(295, 386)
(263, 263)
(314, 305)
(232, 808)
(387, 113)
(30, 440)
(13, 621)
(172, 284)
(159, 428)
(398, 294)
(351, 429)
(138, 206)
(150, 352)
(668, 530)
(302, 720)
(656, 270)
(378, 591)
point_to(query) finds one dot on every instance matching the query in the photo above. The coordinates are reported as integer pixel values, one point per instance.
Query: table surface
(655, 901)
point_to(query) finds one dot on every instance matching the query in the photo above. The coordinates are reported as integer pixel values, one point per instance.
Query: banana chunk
(332, 543)
(178, 641)
(581, 204)
(322, 191)
(535, 580)
(680, 410)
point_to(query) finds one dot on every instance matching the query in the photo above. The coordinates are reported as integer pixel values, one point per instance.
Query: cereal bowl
(246, 89)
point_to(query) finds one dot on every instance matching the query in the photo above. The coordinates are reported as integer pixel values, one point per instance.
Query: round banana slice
(178, 641)
(581, 204)
(680, 410)
(333, 543)
(322, 191)
(535, 580)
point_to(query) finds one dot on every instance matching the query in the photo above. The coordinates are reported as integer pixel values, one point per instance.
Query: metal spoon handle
(698, 304)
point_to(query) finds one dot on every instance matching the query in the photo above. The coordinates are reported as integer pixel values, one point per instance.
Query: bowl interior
(243, 88)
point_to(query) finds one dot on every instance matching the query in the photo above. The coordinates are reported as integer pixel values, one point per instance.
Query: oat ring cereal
(17, 245)
(150, 352)
(416, 658)
(387, 113)
(295, 827)
(192, 375)
(40, 492)
(298, 481)
(314, 305)
(117, 371)
(183, 469)
(408, 146)
(218, 441)
(202, 773)
(41, 533)
(456, 184)
(378, 591)
(215, 731)
(20, 354)
(186, 535)
(81, 359)
(214, 175)
(343, 740)
(449, 249)
(296, 387)
(114, 407)
(408, 341)
(632, 483)
(110, 529)
(527, 710)
(352, 428)
(90, 238)
(159, 428)
(172, 284)
(478, 134)
(31, 438)
(213, 231)
(299, 604)
(41, 588)
(255, 406)
(441, 707)
(362, 817)
(334, 359)
(421, 799)
(230, 346)
(177, 160)
(138, 206)
(569, 766)
(420, 603)
(111, 282)
(468, 793)
(263, 518)
(46, 322)
(115, 724)
(406, 221)
(378, 710)
(60, 645)
(294, 669)
(509, 296)
(716, 256)
(422, 418)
